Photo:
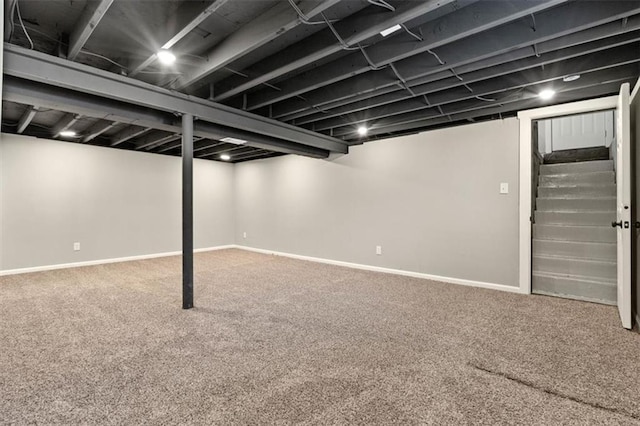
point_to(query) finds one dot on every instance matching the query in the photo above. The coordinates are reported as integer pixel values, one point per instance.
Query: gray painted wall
(116, 203)
(430, 200)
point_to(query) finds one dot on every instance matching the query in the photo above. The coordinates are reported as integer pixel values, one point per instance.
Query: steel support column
(187, 211)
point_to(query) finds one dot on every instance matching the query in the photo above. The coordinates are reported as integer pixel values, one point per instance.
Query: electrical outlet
(76, 246)
(504, 188)
(378, 250)
(244, 235)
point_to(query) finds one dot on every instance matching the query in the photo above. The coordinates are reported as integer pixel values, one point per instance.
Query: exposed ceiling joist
(97, 129)
(512, 61)
(279, 19)
(26, 118)
(358, 30)
(595, 84)
(186, 27)
(506, 80)
(461, 24)
(49, 70)
(65, 123)
(156, 138)
(93, 13)
(128, 134)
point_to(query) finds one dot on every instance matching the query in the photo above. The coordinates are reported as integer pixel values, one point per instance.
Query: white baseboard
(104, 261)
(449, 280)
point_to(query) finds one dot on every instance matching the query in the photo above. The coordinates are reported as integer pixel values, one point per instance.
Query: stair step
(577, 155)
(575, 204)
(578, 178)
(575, 218)
(575, 287)
(578, 249)
(576, 191)
(600, 234)
(584, 166)
(598, 269)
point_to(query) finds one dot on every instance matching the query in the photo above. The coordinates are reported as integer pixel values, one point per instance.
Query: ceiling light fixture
(547, 94)
(569, 78)
(234, 141)
(166, 57)
(67, 133)
(390, 30)
(225, 157)
(362, 130)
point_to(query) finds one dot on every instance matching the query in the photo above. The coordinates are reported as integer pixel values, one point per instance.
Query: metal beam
(93, 13)
(358, 30)
(143, 119)
(42, 68)
(185, 29)
(477, 71)
(277, 20)
(457, 25)
(187, 211)
(26, 118)
(509, 76)
(65, 123)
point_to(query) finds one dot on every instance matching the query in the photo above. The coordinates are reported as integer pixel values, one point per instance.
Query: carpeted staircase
(574, 244)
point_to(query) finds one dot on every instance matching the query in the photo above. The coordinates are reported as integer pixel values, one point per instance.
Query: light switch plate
(504, 188)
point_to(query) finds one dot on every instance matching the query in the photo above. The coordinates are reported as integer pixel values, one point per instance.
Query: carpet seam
(554, 393)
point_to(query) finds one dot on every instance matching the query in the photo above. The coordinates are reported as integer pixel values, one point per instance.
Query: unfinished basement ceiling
(323, 66)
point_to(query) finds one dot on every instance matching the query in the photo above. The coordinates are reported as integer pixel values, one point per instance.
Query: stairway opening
(573, 205)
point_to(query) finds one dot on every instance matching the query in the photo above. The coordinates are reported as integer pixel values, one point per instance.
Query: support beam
(141, 119)
(187, 211)
(51, 71)
(277, 20)
(358, 30)
(185, 29)
(26, 118)
(97, 129)
(457, 25)
(65, 124)
(93, 13)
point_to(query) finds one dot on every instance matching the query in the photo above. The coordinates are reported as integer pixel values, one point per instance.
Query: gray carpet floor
(280, 341)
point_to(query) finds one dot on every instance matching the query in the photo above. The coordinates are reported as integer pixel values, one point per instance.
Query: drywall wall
(430, 200)
(115, 203)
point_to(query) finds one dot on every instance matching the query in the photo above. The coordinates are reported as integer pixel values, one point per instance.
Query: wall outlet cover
(76, 246)
(504, 188)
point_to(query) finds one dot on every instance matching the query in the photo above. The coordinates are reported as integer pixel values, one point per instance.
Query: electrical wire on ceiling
(383, 4)
(22, 24)
(304, 18)
(9, 25)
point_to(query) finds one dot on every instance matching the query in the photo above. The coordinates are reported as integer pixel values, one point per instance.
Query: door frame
(526, 118)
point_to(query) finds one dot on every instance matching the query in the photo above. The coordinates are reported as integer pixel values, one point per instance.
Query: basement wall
(115, 203)
(431, 201)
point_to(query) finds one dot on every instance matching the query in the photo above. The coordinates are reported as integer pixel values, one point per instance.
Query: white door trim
(526, 117)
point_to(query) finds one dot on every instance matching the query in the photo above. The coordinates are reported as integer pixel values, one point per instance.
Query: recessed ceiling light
(166, 57)
(67, 133)
(233, 141)
(569, 78)
(547, 94)
(390, 30)
(362, 130)
(225, 157)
